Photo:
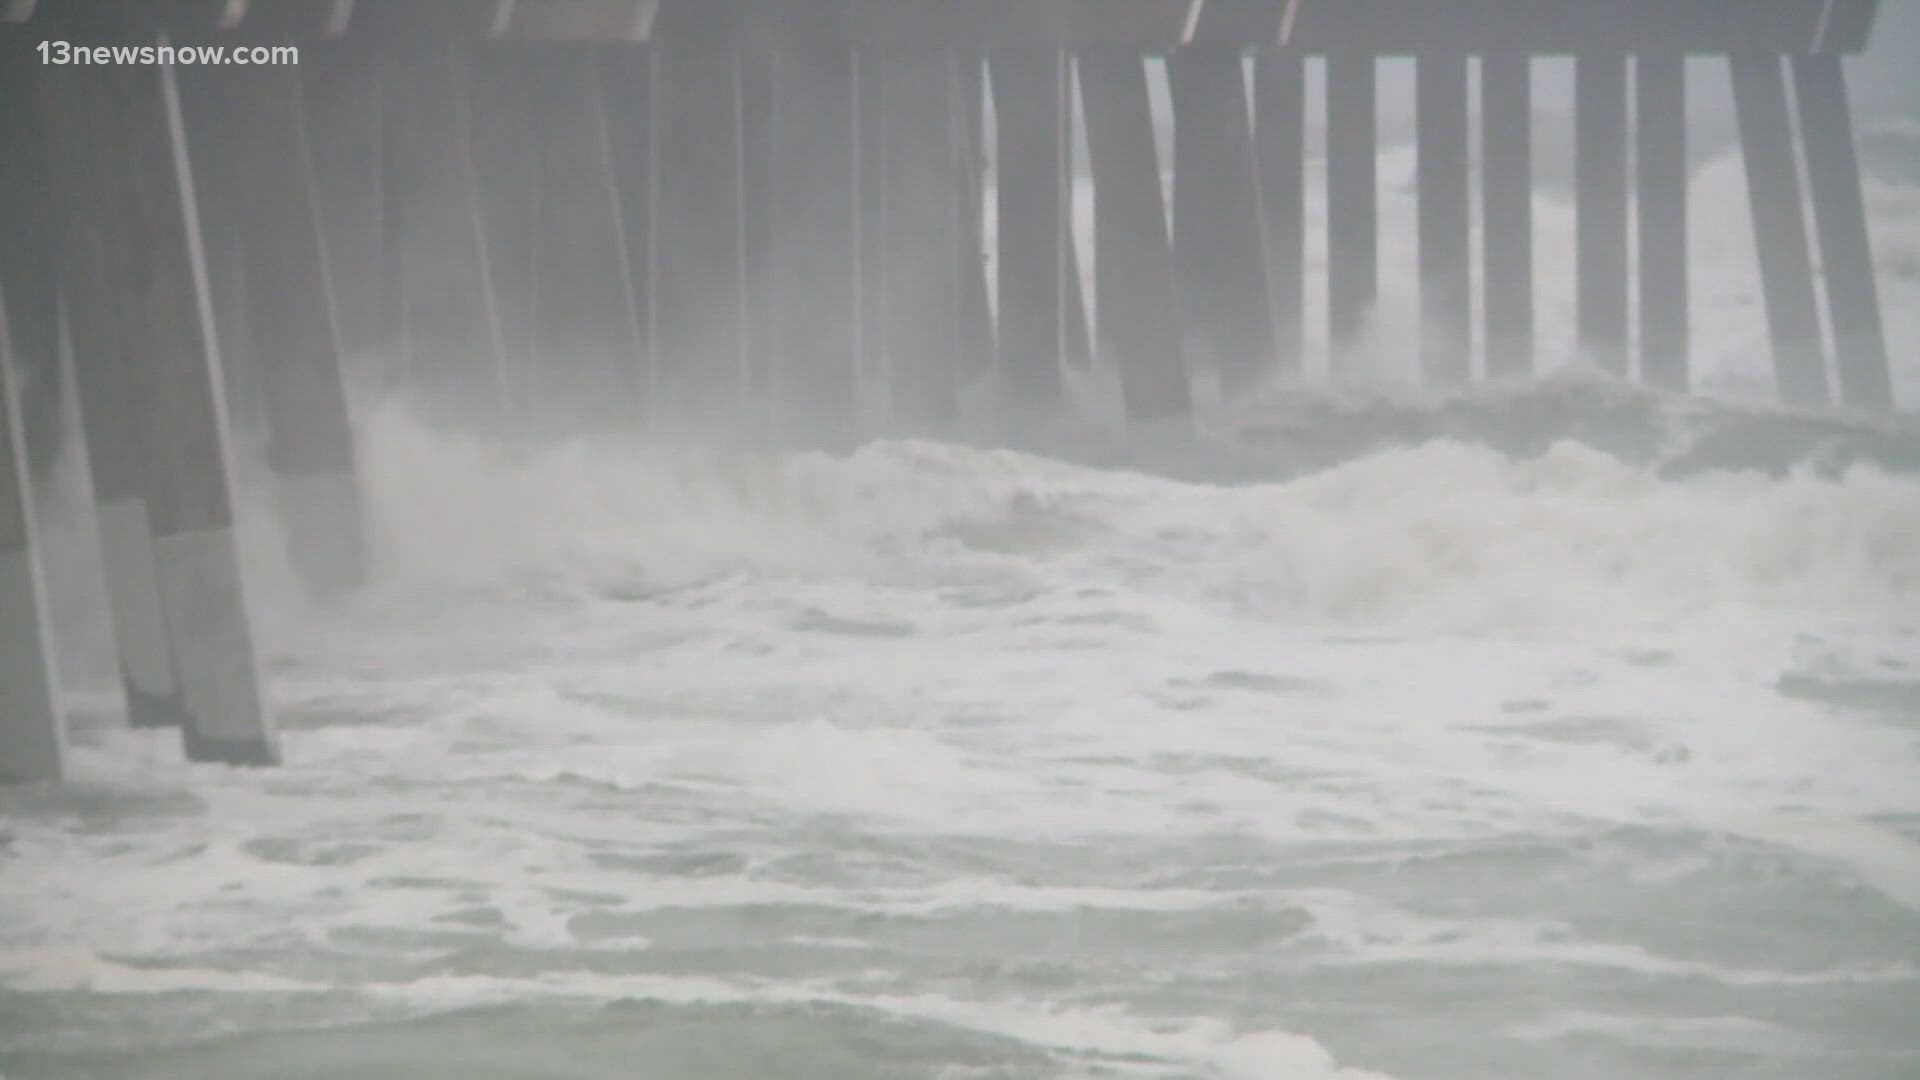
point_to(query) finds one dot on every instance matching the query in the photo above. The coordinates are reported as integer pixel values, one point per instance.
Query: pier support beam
(698, 269)
(110, 377)
(1353, 203)
(872, 161)
(623, 74)
(558, 248)
(195, 553)
(922, 202)
(1839, 212)
(1139, 323)
(1660, 121)
(1446, 291)
(1780, 228)
(511, 92)
(28, 264)
(340, 95)
(815, 242)
(1029, 95)
(1600, 207)
(296, 355)
(454, 353)
(1280, 116)
(1506, 177)
(976, 340)
(1224, 290)
(32, 727)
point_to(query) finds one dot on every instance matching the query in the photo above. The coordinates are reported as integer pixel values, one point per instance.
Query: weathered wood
(196, 555)
(1224, 289)
(1780, 228)
(111, 383)
(32, 726)
(1313, 26)
(1506, 165)
(979, 25)
(1569, 26)
(575, 20)
(1138, 327)
(976, 340)
(1353, 222)
(1076, 341)
(28, 267)
(1280, 136)
(1840, 215)
(1446, 290)
(261, 168)
(1029, 89)
(1600, 207)
(1660, 116)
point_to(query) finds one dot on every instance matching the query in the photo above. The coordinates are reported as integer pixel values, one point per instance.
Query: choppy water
(1559, 731)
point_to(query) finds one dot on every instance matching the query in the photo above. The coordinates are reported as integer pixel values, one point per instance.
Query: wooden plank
(1840, 214)
(1224, 290)
(1280, 137)
(196, 554)
(28, 265)
(1506, 131)
(340, 97)
(976, 340)
(921, 212)
(1029, 92)
(1381, 27)
(32, 725)
(1353, 219)
(1600, 206)
(1446, 287)
(1660, 115)
(979, 25)
(575, 20)
(1780, 228)
(311, 447)
(1138, 328)
(1560, 26)
(111, 385)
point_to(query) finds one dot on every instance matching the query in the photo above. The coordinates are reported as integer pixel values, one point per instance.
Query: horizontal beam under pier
(1312, 26)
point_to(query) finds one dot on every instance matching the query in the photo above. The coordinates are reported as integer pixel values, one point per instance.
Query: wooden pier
(547, 217)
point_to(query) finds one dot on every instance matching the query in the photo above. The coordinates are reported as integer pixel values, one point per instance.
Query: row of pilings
(724, 229)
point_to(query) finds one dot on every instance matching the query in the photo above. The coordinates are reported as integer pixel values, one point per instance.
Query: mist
(625, 540)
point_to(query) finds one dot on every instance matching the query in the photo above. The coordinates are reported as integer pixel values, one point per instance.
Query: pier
(549, 218)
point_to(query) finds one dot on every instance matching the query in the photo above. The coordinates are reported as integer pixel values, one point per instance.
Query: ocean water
(1552, 731)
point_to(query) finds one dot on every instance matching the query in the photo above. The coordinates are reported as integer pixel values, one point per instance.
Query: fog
(754, 664)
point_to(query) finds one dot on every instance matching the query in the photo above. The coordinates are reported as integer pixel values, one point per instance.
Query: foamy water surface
(1446, 757)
